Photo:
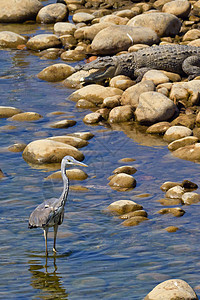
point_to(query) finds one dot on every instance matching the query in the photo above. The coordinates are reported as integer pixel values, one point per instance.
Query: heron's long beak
(81, 164)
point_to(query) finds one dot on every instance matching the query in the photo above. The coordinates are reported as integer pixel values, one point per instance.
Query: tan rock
(56, 72)
(72, 174)
(8, 111)
(185, 120)
(176, 132)
(43, 41)
(189, 140)
(186, 91)
(171, 229)
(179, 8)
(85, 104)
(62, 28)
(175, 192)
(72, 55)
(92, 118)
(63, 124)
(114, 19)
(158, 128)
(125, 169)
(89, 32)
(26, 116)
(121, 82)
(84, 17)
(176, 211)
(121, 114)
(190, 152)
(70, 140)
(192, 34)
(124, 206)
(168, 185)
(47, 151)
(134, 221)
(68, 42)
(122, 181)
(111, 102)
(190, 198)
(156, 76)
(9, 39)
(84, 135)
(141, 213)
(17, 147)
(52, 13)
(172, 289)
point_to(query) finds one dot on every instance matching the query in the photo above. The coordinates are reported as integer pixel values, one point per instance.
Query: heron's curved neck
(65, 184)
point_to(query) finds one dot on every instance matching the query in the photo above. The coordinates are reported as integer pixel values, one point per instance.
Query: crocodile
(181, 59)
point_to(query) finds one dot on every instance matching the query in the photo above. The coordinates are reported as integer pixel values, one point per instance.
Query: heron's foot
(54, 250)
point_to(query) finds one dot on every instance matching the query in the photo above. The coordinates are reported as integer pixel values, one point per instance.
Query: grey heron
(50, 213)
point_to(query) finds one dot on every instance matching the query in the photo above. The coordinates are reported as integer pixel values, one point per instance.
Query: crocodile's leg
(139, 73)
(191, 66)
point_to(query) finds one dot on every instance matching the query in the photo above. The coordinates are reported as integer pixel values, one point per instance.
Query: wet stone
(122, 182)
(121, 114)
(111, 102)
(124, 206)
(158, 128)
(92, 118)
(176, 132)
(26, 116)
(8, 111)
(170, 202)
(175, 192)
(85, 135)
(134, 221)
(190, 198)
(9, 39)
(168, 185)
(187, 184)
(176, 211)
(125, 169)
(171, 229)
(85, 104)
(56, 72)
(43, 41)
(189, 140)
(18, 147)
(141, 213)
(70, 140)
(63, 124)
(72, 174)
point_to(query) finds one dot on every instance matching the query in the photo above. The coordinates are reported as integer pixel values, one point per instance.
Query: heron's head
(70, 160)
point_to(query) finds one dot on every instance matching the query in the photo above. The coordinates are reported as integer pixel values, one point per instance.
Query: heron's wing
(42, 214)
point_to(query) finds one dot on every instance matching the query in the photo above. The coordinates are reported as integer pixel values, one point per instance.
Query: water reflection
(47, 282)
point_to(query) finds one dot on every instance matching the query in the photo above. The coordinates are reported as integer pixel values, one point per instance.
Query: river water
(97, 257)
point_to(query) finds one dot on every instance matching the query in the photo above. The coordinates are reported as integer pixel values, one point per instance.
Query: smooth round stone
(13, 11)
(71, 140)
(175, 192)
(156, 76)
(104, 112)
(63, 124)
(43, 41)
(72, 174)
(50, 53)
(122, 181)
(176, 132)
(125, 169)
(141, 213)
(191, 35)
(190, 198)
(189, 140)
(52, 13)
(85, 135)
(114, 19)
(124, 206)
(121, 114)
(126, 159)
(56, 72)
(179, 8)
(171, 229)
(158, 128)
(176, 211)
(92, 118)
(168, 185)
(185, 120)
(72, 55)
(190, 152)
(82, 17)
(47, 151)
(85, 104)
(9, 39)
(134, 221)
(170, 202)
(121, 82)
(9, 111)
(62, 28)
(68, 42)
(172, 289)
(26, 116)
(18, 147)
(111, 102)
(89, 32)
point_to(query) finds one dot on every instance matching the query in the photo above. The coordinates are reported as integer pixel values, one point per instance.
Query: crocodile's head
(100, 76)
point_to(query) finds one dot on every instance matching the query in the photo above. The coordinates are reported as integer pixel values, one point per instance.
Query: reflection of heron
(51, 212)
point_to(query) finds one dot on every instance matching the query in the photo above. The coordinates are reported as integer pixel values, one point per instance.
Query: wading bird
(50, 213)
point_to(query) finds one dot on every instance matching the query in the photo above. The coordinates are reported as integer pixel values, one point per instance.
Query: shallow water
(97, 257)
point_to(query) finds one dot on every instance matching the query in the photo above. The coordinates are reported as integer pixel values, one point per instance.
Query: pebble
(92, 118)
(72, 174)
(179, 8)
(63, 124)
(125, 169)
(124, 206)
(17, 147)
(43, 41)
(190, 198)
(189, 140)
(158, 128)
(70, 140)
(121, 114)
(9, 39)
(171, 229)
(26, 116)
(134, 221)
(175, 192)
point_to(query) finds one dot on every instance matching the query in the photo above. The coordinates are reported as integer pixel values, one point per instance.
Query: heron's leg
(55, 234)
(45, 238)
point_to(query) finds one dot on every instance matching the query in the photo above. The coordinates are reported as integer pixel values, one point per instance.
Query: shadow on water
(46, 278)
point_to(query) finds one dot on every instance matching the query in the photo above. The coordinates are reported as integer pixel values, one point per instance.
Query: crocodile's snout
(99, 76)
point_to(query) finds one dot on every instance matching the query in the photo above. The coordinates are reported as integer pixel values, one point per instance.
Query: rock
(74, 80)
(176, 211)
(163, 24)
(89, 32)
(168, 185)
(72, 174)
(51, 53)
(190, 152)
(122, 181)
(111, 102)
(94, 93)
(72, 55)
(175, 192)
(13, 11)
(62, 28)
(114, 19)
(158, 128)
(47, 151)
(85, 104)
(141, 213)
(121, 114)
(189, 185)
(179, 8)
(52, 13)
(92, 118)
(1, 174)
(186, 91)
(134, 221)
(189, 140)
(154, 107)
(104, 112)
(131, 95)
(43, 41)
(84, 17)
(116, 38)
(124, 206)
(63, 124)
(56, 72)
(191, 35)
(17, 147)
(190, 198)
(82, 135)
(157, 76)
(170, 202)
(70, 140)
(172, 289)
(125, 169)
(68, 42)
(185, 120)
(26, 116)
(9, 39)
(121, 82)
(8, 111)
(171, 229)
(126, 13)
(176, 132)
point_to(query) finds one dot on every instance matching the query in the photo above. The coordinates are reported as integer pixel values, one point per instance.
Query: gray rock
(179, 8)
(176, 132)
(52, 13)
(62, 28)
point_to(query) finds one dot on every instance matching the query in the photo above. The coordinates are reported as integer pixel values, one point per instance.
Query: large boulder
(13, 11)
(49, 151)
(154, 107)
(164, 24)
(116, 38)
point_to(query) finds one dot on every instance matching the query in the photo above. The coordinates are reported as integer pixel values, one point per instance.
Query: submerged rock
(9, 111)
(190, 198)
(134, 221)
(176, 211)
(70, 140)
(26, 117)
(125, 169)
